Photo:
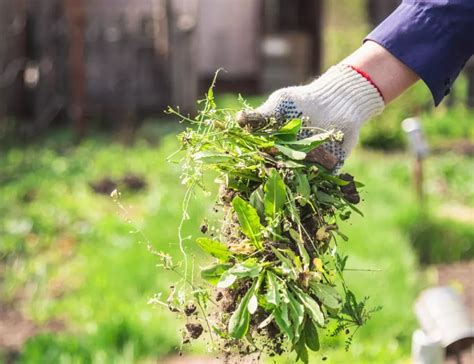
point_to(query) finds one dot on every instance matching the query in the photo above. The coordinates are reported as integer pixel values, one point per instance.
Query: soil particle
(194, 330)
(190, 309)
(349, 190)
(204, 228)
(226, 195)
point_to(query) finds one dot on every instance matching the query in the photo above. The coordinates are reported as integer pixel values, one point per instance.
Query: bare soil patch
(16, 329)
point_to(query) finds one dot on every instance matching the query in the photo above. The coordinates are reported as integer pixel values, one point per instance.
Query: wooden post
(418, 178)
(77, 71)
(419, 147)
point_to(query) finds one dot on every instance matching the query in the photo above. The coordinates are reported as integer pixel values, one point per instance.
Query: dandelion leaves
(215, 248)
(275, 194)
(240, 319)
(249, 220)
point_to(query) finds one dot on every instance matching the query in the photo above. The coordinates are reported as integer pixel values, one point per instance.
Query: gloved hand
(341, 99)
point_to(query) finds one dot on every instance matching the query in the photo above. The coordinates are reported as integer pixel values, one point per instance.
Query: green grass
(69, 255)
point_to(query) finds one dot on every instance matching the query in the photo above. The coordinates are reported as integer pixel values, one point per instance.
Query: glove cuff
(350, 94)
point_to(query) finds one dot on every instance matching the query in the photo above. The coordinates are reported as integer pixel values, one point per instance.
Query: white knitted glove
(341, 99)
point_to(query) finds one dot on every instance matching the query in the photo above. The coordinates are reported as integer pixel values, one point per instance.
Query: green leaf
(249, 220)
(328, 295)
(256, 200)
(273, 294)
(291, 206)
(311, 337)
(280, 314)
(287, 265)
(299, 242)
(213, 157)
(291, 153)
(355, 209)
(308, 144)
(275, 193)
(226, 280)
(292, 127)
(291, 164)
(301, 351)
(296, 314)
(302, 187)
(326, 199)
(213, 273)
(253, 304)
(240, 319)
(336, 180)
(215, 248)
(311, 306)
(248, 269)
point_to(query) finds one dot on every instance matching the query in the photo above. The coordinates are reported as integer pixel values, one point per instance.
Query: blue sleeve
(435, 38)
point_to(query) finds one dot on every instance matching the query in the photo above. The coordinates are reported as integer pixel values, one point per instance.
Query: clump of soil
(194, 330)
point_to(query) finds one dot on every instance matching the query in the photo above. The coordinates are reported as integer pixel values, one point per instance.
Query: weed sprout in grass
(276, 280)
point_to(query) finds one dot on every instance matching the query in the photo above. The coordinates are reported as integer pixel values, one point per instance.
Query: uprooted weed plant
(277, 280)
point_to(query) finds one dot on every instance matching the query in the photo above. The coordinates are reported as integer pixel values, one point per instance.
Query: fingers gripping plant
(277, 279)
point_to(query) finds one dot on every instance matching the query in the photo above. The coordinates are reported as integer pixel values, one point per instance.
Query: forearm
(390, 75)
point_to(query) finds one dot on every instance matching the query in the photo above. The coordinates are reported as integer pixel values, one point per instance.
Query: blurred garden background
(83, 86)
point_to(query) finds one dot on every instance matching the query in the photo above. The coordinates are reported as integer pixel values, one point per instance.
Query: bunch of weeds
(277, 280)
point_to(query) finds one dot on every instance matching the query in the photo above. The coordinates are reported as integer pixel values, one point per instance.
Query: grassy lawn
(68, 253)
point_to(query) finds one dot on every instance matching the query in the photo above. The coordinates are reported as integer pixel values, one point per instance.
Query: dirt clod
(190, 309)
(350, 190)
(194, 330)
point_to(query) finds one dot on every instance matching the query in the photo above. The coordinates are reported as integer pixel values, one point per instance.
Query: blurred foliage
(69, 254)
(438, 240)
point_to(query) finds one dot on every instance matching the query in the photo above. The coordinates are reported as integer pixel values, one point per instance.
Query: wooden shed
(117, 61)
